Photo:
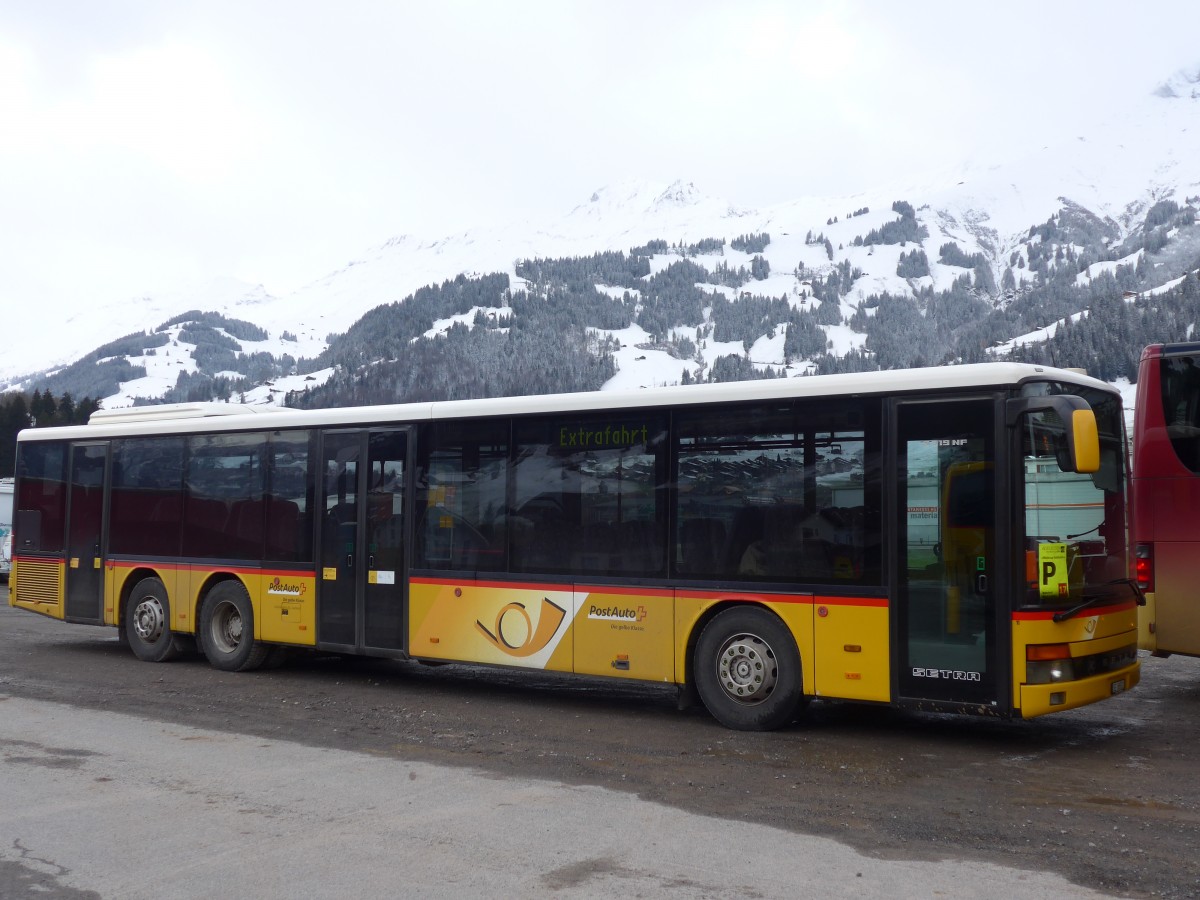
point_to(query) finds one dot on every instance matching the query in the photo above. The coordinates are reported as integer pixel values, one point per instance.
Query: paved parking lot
(331, 778)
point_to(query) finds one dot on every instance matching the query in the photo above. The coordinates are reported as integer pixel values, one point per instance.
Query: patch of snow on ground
(768, 351)
(274, 391)
(639, 367)
(441, 326)
(844, 339)
(617, 292)
(1037, 336)
(163, 365)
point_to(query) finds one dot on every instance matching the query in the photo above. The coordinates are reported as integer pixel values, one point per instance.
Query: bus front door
(85, 527)
(363, 583)
(946, 625)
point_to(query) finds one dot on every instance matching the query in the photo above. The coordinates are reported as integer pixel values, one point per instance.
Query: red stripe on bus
(877, 602)
(1043, 615)
(743, 595)
(625, 591)
(874, 602)
(199, 567)
(621, 590)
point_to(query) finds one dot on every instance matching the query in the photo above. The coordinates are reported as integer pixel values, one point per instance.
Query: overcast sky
(149, 144)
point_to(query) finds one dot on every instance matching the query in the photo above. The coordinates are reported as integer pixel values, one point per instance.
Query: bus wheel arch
(146, 620)
(226, 632)
(746, 668)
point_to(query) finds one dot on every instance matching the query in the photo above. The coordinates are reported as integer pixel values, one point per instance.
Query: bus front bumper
(1039, 699)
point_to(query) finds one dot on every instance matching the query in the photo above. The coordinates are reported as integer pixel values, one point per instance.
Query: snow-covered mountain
(1102, 184)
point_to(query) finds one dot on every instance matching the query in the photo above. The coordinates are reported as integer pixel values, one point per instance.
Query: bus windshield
(1075, 549)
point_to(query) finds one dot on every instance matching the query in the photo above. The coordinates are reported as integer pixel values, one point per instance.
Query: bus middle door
(363, 564)
(85, 533)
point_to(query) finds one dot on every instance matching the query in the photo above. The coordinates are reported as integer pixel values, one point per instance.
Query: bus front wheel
(747, 670)
(227, 629)
(147, 622)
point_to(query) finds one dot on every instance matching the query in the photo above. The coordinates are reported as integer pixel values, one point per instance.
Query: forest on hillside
(19, 411)
(554, 324)
(549, 333)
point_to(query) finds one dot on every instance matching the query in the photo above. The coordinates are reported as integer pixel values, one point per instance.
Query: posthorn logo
(514, 632)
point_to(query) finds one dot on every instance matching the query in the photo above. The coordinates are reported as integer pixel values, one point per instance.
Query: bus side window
(1181, 408)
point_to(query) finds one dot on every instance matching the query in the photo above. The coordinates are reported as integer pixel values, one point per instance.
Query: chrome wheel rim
(746, 669)
(226, 629)
(149, 619)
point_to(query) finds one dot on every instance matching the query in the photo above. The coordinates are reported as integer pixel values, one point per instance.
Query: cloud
(150, 142)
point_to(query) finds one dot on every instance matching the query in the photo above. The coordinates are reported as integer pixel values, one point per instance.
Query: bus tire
(747, 670)
(147, 622)
(227, 629)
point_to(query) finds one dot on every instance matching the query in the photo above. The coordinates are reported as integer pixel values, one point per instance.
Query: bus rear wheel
(227, 629)
(147, 622)
(747, 670)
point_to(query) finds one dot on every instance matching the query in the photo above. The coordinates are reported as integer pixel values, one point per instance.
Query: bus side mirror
(1083, 441)
(1082, 434)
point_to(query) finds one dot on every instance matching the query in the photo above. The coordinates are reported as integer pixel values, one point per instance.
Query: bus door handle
(981, 583)
(349, 560)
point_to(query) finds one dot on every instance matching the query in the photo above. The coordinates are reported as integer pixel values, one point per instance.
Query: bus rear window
(41, 498)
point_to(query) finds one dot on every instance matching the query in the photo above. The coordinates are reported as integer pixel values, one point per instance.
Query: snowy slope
(1116, 171)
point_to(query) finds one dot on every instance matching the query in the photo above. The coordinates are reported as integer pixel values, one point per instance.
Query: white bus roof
(191, 418)
(166, 411)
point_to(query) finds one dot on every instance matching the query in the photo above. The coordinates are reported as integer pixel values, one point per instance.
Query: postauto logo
(616, 613)
(514, 633)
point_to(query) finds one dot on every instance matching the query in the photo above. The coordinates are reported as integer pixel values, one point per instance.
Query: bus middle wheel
(147, 622)
(227, 629)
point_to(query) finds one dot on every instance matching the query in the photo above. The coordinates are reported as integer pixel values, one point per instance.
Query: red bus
(1166, 496)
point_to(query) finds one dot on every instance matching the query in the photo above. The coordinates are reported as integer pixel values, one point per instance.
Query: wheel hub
(746, 669)
(227, 627)
(149, 620)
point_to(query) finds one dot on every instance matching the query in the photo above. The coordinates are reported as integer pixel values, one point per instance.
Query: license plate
(1118, 685)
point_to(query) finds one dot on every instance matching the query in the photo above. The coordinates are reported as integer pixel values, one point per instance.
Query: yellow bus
(752, 543)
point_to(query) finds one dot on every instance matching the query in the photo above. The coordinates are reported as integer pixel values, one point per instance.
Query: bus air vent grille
(38, 582)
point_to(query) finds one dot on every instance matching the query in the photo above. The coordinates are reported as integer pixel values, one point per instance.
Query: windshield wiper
(1096, 598)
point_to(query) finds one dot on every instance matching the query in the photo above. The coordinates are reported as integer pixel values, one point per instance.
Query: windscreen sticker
(1052, 568)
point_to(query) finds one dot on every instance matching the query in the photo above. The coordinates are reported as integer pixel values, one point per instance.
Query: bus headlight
(1051, 663)
(1049, 671)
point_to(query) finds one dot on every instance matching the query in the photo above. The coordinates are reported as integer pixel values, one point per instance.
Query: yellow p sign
(1052, 571)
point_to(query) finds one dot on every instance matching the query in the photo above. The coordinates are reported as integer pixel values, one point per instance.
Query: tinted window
(786, 492)
(1181, 407)
(587, 495)
(289, 500)
(225, 485)
(147, 496)
(41, 497)
(461, 483)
